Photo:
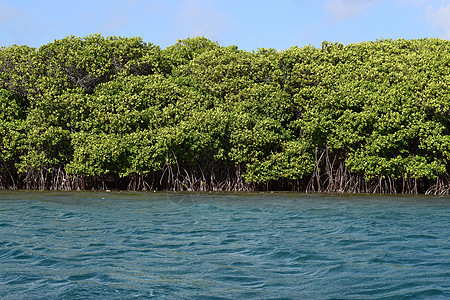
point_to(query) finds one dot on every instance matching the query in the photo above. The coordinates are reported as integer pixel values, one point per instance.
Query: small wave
(46, 262)
(82, 276)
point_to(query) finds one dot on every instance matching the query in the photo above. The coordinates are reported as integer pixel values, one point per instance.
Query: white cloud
(201, 18)
(120, 15)
(414, 2)
(440, 18)
(18, 25)
(9, 14)
(343, 10)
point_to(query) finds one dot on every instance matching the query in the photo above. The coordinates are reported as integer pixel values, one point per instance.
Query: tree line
(120, 113)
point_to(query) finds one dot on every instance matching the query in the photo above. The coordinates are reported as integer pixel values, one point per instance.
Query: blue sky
(249, 24)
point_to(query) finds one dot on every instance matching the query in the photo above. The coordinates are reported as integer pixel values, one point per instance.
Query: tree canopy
(114, 112)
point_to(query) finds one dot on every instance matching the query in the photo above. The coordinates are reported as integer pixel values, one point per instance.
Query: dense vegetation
(96, 112)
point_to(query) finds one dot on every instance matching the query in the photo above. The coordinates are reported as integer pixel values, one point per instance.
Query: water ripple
(91, 245)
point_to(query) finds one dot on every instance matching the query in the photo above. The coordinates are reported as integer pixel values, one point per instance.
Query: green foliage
(185, 50)
(97, 106)
(86, 62)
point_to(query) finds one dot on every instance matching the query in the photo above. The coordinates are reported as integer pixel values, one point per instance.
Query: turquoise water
(94, 245)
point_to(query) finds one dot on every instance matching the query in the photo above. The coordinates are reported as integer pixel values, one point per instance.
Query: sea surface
(122, 245)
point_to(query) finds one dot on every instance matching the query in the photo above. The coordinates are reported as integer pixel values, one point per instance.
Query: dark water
(85, 245)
